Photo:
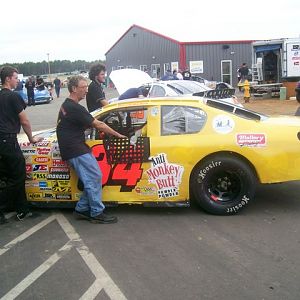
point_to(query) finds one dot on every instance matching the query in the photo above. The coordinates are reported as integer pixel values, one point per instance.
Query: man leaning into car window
(140, 92)
(95, 97)
(73, 120)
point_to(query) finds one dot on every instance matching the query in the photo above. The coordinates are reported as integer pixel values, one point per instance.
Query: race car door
(136, 169)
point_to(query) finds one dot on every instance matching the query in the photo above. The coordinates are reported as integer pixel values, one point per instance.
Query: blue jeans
(88, 171)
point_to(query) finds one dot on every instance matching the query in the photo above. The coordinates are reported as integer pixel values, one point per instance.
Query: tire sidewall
(210, 168)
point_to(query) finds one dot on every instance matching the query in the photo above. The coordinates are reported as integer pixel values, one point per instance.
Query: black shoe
(81, 214)
(104, 219)
(24, 215)
(3, 220)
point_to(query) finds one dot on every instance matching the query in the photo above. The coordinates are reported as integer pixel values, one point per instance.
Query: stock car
(128, 78)
(218, 85)
(177, 150)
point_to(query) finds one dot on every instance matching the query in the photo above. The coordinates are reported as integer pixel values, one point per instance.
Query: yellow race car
(177, 149)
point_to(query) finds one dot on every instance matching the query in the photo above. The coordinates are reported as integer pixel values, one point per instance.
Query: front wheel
(223, 185)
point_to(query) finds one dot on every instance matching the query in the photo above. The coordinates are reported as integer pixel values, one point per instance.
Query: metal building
(144, 49)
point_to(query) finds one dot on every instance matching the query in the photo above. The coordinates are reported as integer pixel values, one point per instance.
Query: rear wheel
(223, 185)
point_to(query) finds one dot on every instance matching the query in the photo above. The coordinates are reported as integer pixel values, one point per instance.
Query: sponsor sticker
(166, 176)
(56, 154)
(28, 168)
(62, 189)
(43, 150)
(58, 176)
(223, 124)
(41, 159)
(59, 170)
(49, 195)
(59, 163)
(61, 183)
(40, 168)
(39, 176)
(44, 184)
(35, 196)
(32, 183)
(154, 111)
(28, 151)
(61, 186)
(43, 144)
(251, 139)
(64, 196)
(145, 190)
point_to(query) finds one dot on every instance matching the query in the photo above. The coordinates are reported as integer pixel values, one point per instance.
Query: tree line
(56, 66)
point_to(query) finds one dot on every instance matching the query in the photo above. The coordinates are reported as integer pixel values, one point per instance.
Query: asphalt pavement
(155, 253)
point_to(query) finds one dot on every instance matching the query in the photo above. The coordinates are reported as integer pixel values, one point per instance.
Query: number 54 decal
(127, 175)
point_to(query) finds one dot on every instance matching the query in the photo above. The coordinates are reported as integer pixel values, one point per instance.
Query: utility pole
(49, 73)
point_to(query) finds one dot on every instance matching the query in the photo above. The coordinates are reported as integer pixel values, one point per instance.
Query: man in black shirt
(40, 84)
(73, 120)
(244, 71)
(186, 74)
(30, 91)
(12, 117)
(95, 97)
(57, 85)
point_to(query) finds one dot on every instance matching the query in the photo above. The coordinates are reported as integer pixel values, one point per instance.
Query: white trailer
(273, 60)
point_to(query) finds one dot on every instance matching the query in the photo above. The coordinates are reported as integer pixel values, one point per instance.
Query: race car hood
(125, 79)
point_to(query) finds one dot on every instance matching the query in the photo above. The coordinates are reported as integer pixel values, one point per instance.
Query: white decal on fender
(223, 124)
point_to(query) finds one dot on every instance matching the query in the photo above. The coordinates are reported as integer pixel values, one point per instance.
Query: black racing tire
(223, 185)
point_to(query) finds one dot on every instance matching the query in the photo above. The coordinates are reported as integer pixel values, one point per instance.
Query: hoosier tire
(223, 185)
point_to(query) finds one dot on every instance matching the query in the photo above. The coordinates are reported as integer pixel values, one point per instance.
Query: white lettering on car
(235, 208)
(212, 165)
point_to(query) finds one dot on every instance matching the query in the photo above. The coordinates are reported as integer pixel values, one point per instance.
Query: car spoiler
(216, 94)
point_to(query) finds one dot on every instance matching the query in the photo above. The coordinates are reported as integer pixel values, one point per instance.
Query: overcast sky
(87, 29)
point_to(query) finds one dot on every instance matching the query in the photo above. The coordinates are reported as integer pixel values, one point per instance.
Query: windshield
(187, 87)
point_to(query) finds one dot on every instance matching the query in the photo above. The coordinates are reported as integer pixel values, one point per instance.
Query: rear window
(187, 87)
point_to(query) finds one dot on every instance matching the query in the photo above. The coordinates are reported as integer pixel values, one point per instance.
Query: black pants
(30, 96)
(57, 91)
(13, 171)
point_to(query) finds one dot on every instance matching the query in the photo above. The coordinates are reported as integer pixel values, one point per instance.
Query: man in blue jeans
(73, 120)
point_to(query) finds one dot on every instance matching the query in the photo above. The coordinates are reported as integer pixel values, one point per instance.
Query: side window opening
(181, 120)
(129, 122)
